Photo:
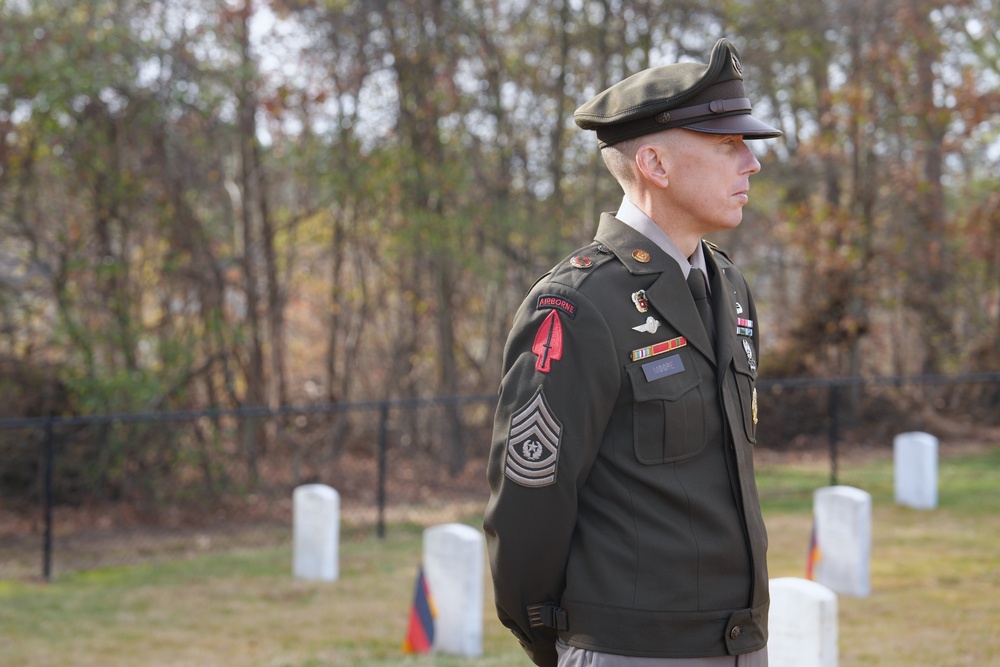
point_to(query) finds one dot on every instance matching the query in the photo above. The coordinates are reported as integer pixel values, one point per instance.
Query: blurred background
(250, 244)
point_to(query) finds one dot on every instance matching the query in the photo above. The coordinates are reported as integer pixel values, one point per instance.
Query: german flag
(420, 634)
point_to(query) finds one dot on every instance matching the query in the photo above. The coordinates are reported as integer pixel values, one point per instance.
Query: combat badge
(533, 444)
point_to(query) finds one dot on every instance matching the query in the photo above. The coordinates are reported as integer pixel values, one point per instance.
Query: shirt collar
(630, 214)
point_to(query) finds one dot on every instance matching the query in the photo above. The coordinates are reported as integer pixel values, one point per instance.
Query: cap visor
(742, 124)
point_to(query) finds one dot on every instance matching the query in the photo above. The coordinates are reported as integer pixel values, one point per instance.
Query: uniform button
(735, 632)
(603, 249)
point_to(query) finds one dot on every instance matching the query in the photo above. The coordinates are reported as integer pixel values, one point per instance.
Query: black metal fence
(98, 490)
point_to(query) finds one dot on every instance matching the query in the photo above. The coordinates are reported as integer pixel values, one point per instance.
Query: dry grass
(935, 599)
(935, 579)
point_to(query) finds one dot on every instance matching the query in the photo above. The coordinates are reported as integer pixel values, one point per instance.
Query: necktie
(699, 290)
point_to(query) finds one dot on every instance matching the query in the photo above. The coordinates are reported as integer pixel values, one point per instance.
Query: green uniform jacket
(621, 470)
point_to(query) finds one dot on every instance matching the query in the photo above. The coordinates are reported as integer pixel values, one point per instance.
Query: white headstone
(453, 566)
(843, 520)
(315, 532)
(802, 624)
(915, 467)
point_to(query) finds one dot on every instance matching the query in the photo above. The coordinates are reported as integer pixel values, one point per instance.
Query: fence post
(834, 432)
(383, 446)
(47, 501)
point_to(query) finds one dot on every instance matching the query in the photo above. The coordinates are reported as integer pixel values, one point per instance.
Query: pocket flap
(665, 378)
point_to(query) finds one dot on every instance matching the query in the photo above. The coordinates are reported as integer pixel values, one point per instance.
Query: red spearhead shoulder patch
(548, 345)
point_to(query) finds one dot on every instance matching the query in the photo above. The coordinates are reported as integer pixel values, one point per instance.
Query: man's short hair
(620, 160)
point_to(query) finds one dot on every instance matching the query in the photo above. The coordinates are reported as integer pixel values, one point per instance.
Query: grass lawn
(935, 593)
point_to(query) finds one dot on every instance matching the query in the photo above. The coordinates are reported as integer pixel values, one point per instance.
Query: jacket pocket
(668, 415)
(746, 384)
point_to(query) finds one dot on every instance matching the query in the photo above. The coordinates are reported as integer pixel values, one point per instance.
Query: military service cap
(706, 98)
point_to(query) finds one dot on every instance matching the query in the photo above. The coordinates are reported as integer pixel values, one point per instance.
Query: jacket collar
(632, 248)
(643, 257)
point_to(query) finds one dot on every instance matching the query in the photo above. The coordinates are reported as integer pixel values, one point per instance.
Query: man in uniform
(624, 527)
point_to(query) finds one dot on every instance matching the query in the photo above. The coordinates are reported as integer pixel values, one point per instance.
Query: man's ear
(653, 164)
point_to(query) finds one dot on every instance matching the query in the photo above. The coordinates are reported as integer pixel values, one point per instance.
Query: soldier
(624, 527)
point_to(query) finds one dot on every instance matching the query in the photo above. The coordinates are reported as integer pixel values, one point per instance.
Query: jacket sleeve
(559, 386)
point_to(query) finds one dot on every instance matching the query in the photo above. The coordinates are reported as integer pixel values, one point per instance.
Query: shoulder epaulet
(575, 268)
(716, 249)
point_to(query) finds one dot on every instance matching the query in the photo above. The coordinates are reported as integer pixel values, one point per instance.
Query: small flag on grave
(420, 633)
(814, 555)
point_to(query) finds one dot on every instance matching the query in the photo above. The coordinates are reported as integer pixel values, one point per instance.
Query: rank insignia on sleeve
(548, 344)
(533, 444)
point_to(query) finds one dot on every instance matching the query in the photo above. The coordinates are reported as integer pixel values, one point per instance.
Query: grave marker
(315, 532)
(843, 519)
(453, 564)
(915, 469)
(802, 624)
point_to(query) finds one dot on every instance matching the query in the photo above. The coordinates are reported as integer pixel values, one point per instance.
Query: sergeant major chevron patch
(533, 444)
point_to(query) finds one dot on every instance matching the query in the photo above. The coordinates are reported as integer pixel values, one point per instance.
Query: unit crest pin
(640, 301)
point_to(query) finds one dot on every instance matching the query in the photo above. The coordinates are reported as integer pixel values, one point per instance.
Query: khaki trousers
(570, 656)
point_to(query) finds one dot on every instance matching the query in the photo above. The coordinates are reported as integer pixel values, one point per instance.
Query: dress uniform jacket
(624, 516)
